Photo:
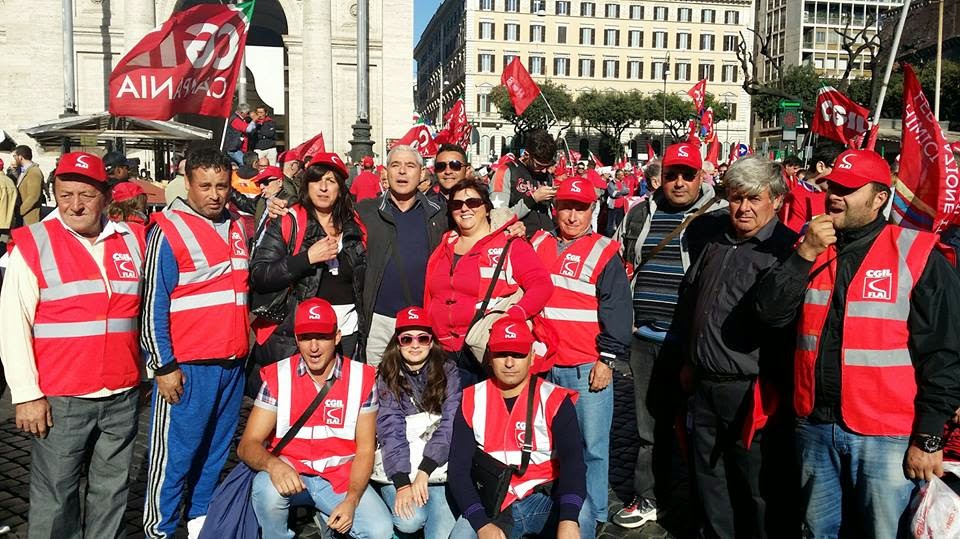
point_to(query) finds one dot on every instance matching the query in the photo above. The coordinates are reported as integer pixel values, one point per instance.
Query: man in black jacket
(265, 135)
(526, 186)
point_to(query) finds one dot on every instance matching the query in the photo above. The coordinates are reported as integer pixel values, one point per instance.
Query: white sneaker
(194, 526)
(636, 513)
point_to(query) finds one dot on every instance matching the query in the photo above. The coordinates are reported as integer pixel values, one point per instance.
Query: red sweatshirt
(365, 185)
(802, 203)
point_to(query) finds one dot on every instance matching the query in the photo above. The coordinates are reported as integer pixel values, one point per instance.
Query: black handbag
(274, 306)
(492, 477)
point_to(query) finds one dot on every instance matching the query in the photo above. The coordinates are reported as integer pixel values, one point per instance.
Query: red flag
(713, 152)
(699, 95)
(706, 126)
(596, 160)
(561, 167)
(692, 137)
(504, 160)
(926, 196)
(734, 154)
(188, 65)
(622, 163)
(419, 138)
(651, 155)
(575, 155)
(457, 127)
(311, 147)
(838, 117)
(523, 90)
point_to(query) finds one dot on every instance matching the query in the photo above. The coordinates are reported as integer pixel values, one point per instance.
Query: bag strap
(679, 228)
(528, 433)
(295, 428)
(493, 283)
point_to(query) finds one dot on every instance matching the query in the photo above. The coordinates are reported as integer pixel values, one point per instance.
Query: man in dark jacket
(239, 129)
(526, 186)
(265, 135)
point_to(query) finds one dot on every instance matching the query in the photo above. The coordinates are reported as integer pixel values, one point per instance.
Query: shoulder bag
(272, 306)
(479, 333)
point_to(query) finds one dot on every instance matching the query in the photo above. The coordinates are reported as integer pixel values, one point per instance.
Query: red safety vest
(84, 339)
(571, 312)
(876, 397)
(500, 433)
(208, 307)
(326, 444)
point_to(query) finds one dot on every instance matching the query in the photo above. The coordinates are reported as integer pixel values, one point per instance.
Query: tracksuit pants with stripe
(189, 444)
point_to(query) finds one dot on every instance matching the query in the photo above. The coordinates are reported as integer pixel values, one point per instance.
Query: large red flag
(838, 117)
(699, 95)
(926, 196)
(419, 137)
(713, 152)
(523, 90)
(596, 160)
(189, 64)
(457, 129)
(706, 126)
(311, 147)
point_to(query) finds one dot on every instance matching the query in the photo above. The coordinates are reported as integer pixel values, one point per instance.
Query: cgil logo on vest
(494, 254)
(878, 284)
(124, 264)
(520, 429)
(333, 411)
(570, 265)
(238, 248)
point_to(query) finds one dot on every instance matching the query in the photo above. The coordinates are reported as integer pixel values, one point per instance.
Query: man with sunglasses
(877, 364)
(526, 186)
(451, 168)
(661, 240)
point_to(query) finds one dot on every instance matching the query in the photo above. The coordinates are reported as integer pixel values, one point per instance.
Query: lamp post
(362, 145)
(663, 100)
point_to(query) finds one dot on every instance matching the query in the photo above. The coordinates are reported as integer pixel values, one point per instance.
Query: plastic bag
(938, 512)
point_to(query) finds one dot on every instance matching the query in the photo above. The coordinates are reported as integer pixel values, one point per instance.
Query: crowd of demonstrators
(365, 300)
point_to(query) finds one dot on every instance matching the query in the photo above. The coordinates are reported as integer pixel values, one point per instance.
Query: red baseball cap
(366, 162)
(289, 155)
(855, 168)
(331, 160)
(315, 315)
(684, 154)
(412, 317)
(267, 174)
(577, 190)
(126, 190)
(509, 335)
(82, 164)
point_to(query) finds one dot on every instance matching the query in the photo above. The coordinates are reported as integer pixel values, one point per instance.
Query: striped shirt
(658, 280)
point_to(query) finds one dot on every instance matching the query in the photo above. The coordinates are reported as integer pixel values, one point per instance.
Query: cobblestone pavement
(15, 463)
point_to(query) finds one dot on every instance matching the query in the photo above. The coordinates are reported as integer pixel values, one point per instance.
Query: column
(317, 112)
(295, 91)
(139, 18)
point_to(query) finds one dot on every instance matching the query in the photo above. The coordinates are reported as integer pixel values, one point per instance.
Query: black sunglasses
(422, 339)
(472, 203)
(454, 165)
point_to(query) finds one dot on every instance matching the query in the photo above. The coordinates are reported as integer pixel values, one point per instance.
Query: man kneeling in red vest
(328, 462)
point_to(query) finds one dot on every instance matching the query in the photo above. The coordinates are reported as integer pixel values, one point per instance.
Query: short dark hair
(826, 152)
(880, 188)
(24, 152)
(453, 148)
(540, 145)
(250, 158)
(792, 161)
(481, 189)
(207, 158)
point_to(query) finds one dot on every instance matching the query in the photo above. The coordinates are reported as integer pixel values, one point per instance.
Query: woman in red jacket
(461, 269)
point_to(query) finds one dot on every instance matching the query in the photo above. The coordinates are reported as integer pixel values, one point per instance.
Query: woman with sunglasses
(461, 269)
(415, 377)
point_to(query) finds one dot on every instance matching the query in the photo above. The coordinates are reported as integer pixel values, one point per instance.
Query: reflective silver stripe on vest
(204, 274)
(878, 358)
(900, 309)
(574, 285)
(193, 246)
(133, 247)
(198, 301)
(241, 299)
(537, 241)
(239, 264)
(48, 262)
(329, 462)
(590, 264)
(816, 297)
(83, 329)
(126, 287)
(570, 315)
(72, 289)
(807, 343)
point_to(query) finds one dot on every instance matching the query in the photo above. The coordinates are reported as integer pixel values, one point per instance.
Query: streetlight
(663, 99)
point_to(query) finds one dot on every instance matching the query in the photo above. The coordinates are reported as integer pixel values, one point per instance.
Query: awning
(98, 129)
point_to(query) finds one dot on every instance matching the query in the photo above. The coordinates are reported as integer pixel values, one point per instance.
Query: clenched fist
(820, 235)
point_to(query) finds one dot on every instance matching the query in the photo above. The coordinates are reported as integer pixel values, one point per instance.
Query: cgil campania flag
(190, 64)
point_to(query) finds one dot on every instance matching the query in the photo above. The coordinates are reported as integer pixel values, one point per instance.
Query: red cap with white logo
(855, 168)
(366, 162)
(82, 164)
(683, 154)
(577, 190)
(412, 317)
(268, 174)
(315, 315)
(509, 335)
(331, 160)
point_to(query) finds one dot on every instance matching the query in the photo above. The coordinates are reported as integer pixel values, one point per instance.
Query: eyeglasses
(422, 339)
(454, 165)
(673, 173)
(472, 203)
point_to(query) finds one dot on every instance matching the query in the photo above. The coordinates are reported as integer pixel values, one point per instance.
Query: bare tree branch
(855, 45)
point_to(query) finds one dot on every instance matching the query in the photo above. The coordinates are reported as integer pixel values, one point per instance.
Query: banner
(419, 138)
(521, 87)
(457, 129)
(190, 64)
(838, 117)
(699, 95)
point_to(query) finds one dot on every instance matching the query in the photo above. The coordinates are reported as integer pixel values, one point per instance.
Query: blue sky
(422, 11)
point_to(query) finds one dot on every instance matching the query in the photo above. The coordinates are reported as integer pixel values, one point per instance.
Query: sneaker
(194, 525)
(638, 512)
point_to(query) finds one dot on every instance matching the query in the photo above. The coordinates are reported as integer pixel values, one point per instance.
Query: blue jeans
(435, 518)
(371, 519)
(531, 515)
(866, 470)
(595, 416)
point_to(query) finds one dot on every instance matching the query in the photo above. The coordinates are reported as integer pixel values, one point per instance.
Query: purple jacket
(392, 426)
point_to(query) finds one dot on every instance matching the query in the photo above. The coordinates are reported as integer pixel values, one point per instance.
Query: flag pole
(875, 126)
(563, 140)
(223, 137)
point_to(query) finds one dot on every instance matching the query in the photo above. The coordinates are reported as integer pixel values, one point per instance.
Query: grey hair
(243, 107)
(404, 148)
(652, 170)
(752, 174)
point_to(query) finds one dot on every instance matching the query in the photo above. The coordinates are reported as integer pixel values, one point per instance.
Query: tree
(803, 83)
(612, 113)
(537, 115)
(676, 110)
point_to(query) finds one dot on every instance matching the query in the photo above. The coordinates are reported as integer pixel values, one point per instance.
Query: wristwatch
(606, 360)
(927, 444)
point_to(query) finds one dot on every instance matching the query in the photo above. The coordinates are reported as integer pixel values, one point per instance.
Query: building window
(563, 7)
(611, 37)
(634, 69)
(587, 9)
(483, 103)
(729, 43)
(507, 58)
(659, 40)
(511, 32)
(729, 73)
(586, 67)
(732, 109)
(683, 41)
(658, 70)
(636, 38)
(705, 71)
(536, 65)
(537, 6)
(684, 14)
(561, 67)
(561, 34)
(682, 71)
(612, 11)
(512, 6)
(708, 16)
(706, 42)
(485, 62)
(538, 33)
(660, 13)
(636, 12)
(731, 17)
(486, 30)
(486, 5)
(611, 69)
(586, 36)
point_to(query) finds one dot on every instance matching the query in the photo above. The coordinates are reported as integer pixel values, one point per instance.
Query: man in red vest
(493, 416)
(195, 329)
(589, 313)
(877, 363)
(69, 310)
(328, 462)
